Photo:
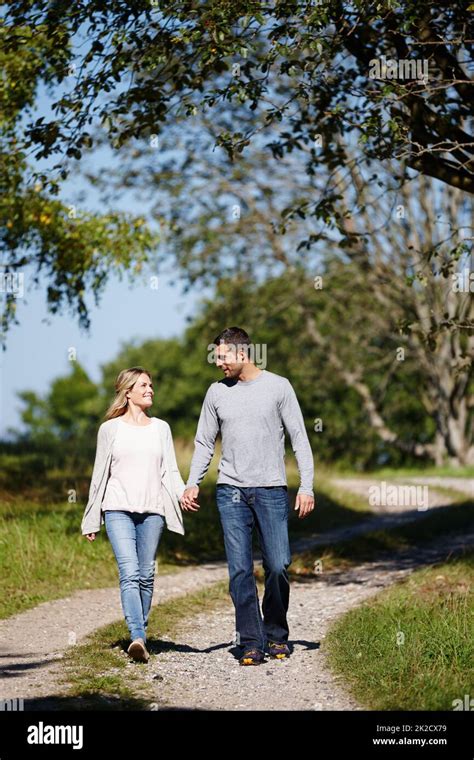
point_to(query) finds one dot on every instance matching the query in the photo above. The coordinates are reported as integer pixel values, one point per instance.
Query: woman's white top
(135, 477)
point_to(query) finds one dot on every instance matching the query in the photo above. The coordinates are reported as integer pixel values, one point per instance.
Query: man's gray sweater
(251, 416)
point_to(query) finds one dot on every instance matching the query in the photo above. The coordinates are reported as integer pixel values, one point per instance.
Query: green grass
(439, 522)
(99, 674)
(412, 647)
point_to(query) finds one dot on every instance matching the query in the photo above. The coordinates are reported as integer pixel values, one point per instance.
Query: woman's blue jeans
(135, 537)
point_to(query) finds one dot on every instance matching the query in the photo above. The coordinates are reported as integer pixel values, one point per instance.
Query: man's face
(229, 359)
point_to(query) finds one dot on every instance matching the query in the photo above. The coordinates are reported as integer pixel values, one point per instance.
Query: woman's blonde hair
(124, 383)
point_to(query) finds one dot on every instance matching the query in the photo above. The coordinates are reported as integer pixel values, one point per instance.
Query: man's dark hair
(233, 336)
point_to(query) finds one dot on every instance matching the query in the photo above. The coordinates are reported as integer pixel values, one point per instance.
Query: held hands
(90, 537)
(305, 504)
(189, 499)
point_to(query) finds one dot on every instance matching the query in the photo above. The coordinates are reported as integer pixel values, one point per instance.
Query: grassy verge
(411, 648)
(456, 518)
(99, 672)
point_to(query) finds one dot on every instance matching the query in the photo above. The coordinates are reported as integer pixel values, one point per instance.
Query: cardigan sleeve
(176, 478)
(91, 519)
(99, 459)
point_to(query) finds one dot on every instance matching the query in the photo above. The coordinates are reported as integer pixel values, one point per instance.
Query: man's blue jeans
(267, 509)
(135, 537)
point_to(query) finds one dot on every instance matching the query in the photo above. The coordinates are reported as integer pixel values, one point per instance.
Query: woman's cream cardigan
(173, 485)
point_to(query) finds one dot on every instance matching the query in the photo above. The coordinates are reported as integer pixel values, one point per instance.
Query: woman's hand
(189, 499)
(90, 537)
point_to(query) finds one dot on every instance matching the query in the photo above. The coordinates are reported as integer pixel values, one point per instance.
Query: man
(251, 408)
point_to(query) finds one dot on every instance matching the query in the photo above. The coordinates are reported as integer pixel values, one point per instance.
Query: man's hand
(189, 499)
(304, 503)
(90, 537)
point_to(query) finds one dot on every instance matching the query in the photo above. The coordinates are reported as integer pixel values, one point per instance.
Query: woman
(135, 490)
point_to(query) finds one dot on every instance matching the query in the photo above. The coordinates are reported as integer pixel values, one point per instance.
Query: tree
(394, 74)
(306, 77)
(70, 249)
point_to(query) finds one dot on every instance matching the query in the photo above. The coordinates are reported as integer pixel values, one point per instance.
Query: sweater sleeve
(293, 421)
(204, 441)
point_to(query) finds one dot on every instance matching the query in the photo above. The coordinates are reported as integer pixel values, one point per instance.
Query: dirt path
(32, 643)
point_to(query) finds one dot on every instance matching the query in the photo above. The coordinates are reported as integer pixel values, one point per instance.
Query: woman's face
(141, 394)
